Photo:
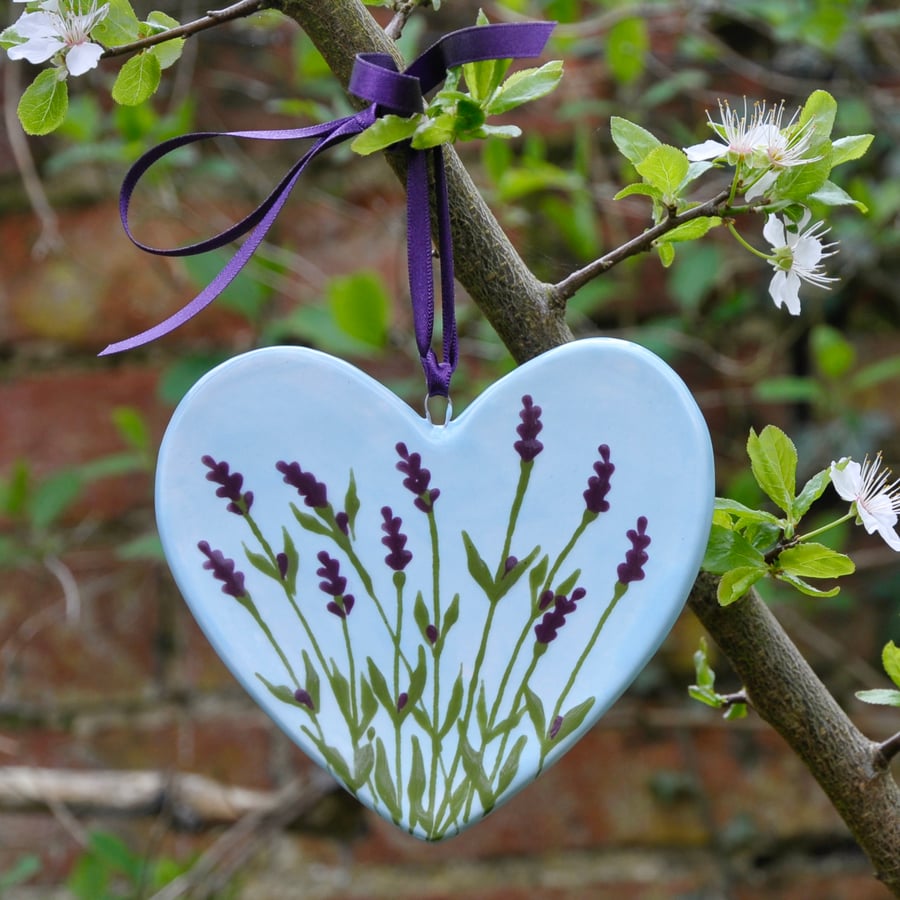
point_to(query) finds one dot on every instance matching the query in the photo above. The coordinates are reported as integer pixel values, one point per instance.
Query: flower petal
(773, 230)
(707, 150)
(36, 49)
(847, 479)
(83, 57)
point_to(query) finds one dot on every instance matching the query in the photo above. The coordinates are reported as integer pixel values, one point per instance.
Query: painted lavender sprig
(230, 484)
(629, 571)
(595, 502)
(234, 585)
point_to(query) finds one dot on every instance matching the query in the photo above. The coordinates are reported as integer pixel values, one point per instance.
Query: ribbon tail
(348, 128)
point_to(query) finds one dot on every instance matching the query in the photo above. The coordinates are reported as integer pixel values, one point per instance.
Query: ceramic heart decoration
(435, 614)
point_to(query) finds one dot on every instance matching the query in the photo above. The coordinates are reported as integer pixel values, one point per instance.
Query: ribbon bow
(375, 78)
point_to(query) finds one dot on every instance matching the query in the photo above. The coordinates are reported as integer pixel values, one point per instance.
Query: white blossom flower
(778, 148)
(57, 28)
(738, 133)
(797, 256)
(875, 502)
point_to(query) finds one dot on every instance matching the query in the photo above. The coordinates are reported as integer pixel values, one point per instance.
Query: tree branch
(640, 244)
(787, 694)
(403, 11)
(888, 749)
(210, 20)
(192, 800)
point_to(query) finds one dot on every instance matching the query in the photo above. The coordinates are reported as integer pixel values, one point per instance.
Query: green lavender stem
(618, 593)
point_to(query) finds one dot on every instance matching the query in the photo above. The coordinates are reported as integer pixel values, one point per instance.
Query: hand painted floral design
(430, 742)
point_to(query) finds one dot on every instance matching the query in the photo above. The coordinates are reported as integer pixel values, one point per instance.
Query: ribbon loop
(375, 78)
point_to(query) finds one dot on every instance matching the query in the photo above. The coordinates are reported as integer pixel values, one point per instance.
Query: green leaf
(788, 389)
(812, 490)
(341, 688)
(454, 706)
(484, 77)
(734, 584)
(566, 585)
(507, 580)
(535, 708)
(262, 563)
(415, 788)
(664, 167)
(52, 497)
(666, 253)
(24, 868)
(773, 460)
(851, 147)
(120, 25)
(706, 677)
(478, 569)
(451, 615)
(627, 43)
(311, 523)
(361, 306)
(881, 697)
(351, 504)
(281, 692)
(312, 680)
(832, 195)
(169, 52)
(526, 85)
(691, 230)
(819, 110)
(728, 549)
(804, 587)
(645, 189)
(634, 143)
(890, 659)
(433, 132)
(44, 104)
(368, 706)
(363, 760)
(877, 373)
(293, 560)
(744, 513)
(572, 719)
(417, 682)
(381, 691)
(473, 765)
(384, 132)
(137, 80)
(537, 575)
(420, 614)
(814, 561)
(511, 765)
(799, 182)
(384, 783)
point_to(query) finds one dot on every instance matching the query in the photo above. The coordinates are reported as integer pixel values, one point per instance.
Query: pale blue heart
(436, 644)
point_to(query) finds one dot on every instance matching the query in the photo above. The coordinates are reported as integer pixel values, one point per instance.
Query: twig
(230, 852)
(49, 240)
(888, 749)
(639, 244)
(403, 11)
(210, 20)
(729, 700)
(194, 800)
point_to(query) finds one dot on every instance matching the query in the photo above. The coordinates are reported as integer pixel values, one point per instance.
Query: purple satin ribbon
(374, 78)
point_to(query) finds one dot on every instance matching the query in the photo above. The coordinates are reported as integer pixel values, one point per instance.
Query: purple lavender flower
(304, 699)
(528, 447)
(230, 484)
(633, 567)
(598, 485)
(554, 619)
(509, 564)
(342, 520)
(431, 633)
(223, 570)
(314, 493)
(402, 700)
(554, 728)
(282, 560)
(546, 599)
(417, 479)
(334, 584)
(399, 557)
